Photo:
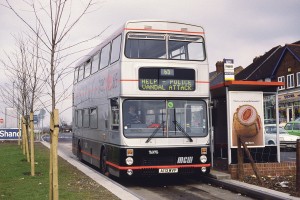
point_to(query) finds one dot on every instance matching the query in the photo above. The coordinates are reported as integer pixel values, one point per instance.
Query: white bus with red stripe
(140, 101)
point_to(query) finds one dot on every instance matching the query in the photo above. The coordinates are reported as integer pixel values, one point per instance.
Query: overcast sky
(236, 29)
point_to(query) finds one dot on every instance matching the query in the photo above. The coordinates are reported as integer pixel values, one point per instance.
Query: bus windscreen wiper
(179, 127)
(154, 132)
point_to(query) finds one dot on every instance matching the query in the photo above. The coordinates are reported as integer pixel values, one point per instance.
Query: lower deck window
(93, 118)
(79, 118)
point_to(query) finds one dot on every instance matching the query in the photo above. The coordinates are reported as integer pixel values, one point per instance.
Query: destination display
(166, 79)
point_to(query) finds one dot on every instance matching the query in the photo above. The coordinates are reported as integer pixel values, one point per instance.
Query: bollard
(298, 167)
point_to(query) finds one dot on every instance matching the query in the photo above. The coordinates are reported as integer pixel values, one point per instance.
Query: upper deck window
(76, 75)
(95, 63)
(87, 68)
(115, 50)
(80, 73)
(145, 46)
(164, 46)
(104, 58)
(184, 47)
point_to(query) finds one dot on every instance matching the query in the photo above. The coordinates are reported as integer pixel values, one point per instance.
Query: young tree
(55, 29)
(15, 69)
(23, 69)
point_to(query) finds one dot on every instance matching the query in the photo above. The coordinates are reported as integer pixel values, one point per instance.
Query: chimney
(220, 67)
(238, 70)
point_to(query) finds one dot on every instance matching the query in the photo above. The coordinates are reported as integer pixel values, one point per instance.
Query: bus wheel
(79, 154)
(103, 166)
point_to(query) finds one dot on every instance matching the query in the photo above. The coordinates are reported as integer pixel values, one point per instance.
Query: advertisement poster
(246, 118)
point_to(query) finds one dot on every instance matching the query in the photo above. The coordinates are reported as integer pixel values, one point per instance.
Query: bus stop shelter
(243, 108)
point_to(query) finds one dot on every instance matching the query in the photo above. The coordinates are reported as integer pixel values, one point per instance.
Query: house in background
(282, 64)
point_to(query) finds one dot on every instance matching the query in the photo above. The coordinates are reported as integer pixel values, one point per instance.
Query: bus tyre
(103, 166)
(79, 153)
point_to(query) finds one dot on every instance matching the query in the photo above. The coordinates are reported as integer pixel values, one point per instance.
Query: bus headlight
(129, 161)
(203, 169)
(203, 159)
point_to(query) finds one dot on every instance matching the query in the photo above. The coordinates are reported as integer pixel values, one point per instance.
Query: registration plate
(169, 170)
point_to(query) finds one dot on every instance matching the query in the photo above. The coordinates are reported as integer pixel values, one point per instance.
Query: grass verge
(16, 182)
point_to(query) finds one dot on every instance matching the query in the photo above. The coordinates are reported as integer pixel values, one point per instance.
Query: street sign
(35, 119)
(9, 134)
(42, 112)
(228, 70)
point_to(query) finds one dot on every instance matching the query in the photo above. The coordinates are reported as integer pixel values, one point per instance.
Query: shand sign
(9, 133)
(228, 70)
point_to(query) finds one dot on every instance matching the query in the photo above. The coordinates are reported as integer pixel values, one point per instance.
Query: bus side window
(94, 117)
(76, 75)
(79, 118)
(76, 118)
(115, 49)
(104, 57)
(95, 63)
(86, 118)
(114, 114)
(80, 72)
(87, 68)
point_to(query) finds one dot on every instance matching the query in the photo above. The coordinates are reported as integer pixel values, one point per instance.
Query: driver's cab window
(132, 114)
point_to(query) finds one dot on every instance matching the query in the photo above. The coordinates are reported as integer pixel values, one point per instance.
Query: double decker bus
(140, 101)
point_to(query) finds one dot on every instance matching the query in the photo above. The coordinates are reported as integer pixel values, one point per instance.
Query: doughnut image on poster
(247, 124)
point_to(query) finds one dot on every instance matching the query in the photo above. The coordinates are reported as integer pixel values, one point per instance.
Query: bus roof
(147, 26)
(163, 26)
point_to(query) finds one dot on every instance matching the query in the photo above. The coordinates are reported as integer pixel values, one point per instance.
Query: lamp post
(13, 99)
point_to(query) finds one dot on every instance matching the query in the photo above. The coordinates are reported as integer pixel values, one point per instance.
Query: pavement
(216, 177)
(224, 180)
(115, 188)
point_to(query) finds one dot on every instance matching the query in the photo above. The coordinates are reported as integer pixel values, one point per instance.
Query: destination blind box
(166, 79)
